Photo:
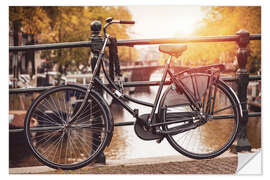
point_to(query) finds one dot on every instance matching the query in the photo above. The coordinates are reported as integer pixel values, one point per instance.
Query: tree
(226, 21)
(53, 24)
(31, 20)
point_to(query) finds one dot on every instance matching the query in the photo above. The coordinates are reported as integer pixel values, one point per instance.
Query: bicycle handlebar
(126, 22)
(111, 21)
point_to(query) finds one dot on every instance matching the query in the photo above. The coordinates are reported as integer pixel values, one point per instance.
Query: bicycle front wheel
(218, 133)
(59, 144)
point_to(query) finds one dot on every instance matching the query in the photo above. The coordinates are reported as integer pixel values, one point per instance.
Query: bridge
(143, 73)
(142, 70)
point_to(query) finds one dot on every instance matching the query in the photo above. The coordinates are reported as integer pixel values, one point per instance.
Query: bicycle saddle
(173, 50)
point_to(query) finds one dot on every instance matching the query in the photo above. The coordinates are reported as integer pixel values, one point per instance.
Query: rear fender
(234, 96)
(202, 69)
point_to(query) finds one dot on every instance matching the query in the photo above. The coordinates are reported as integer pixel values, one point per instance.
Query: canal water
(125, 144)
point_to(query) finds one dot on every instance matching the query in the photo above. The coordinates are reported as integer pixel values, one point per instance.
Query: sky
(164, 21)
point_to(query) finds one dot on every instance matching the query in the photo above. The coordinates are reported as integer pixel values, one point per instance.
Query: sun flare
(164, 21)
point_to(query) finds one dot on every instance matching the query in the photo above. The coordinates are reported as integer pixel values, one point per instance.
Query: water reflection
(125, 144)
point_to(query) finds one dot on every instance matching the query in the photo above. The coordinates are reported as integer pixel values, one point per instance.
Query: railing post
(96, 43)
(96, 46)
(15, 54)
(242, 75)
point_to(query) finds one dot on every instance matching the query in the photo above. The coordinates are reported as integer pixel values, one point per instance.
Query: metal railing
(133, 42)
(242, 78)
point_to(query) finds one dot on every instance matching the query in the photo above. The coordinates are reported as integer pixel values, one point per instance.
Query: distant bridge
(142, 70)
(143, 73)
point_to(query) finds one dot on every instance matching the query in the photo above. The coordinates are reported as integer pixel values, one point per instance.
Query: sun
(165, 21)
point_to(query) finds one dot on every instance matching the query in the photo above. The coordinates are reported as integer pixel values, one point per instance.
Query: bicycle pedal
(101, 159)
(160, 140)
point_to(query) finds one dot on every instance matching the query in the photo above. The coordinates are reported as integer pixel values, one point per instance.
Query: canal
(125, 144)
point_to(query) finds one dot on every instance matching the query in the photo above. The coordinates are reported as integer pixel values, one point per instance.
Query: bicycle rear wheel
(218, 133)
(59, 144)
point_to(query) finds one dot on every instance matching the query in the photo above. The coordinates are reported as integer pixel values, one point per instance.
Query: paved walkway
(225, 164)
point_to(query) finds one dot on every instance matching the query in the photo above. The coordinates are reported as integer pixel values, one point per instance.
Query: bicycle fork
(90, 86)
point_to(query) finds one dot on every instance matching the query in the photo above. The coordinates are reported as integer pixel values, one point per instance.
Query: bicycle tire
(72, 147)
(214, 137)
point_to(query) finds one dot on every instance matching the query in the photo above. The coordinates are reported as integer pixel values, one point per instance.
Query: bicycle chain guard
(141, 130)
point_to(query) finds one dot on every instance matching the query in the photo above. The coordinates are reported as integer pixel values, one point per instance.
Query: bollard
(242, 75)
(96, 46)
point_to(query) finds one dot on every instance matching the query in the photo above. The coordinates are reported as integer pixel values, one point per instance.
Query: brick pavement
(224, 165)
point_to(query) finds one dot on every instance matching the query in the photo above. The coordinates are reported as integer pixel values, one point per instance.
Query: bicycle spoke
(57, 145)
(223, 109)
(49, 118)
(83, 144)
(61, 117)
(51, 108)
(219, 127)
(62, 110)
(66, 145)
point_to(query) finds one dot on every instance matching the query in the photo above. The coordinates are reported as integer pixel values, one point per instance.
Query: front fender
(106, 108)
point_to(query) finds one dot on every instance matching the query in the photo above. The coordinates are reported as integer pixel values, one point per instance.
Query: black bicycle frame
(117, 95)
(99, 61)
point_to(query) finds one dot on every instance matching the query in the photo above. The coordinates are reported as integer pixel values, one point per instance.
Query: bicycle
(67, 127)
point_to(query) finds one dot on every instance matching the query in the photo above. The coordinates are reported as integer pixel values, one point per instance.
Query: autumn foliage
(66, 24)
(226, 21)
(54, 24)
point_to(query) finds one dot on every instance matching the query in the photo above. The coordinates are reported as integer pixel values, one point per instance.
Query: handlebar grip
(127, 22)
